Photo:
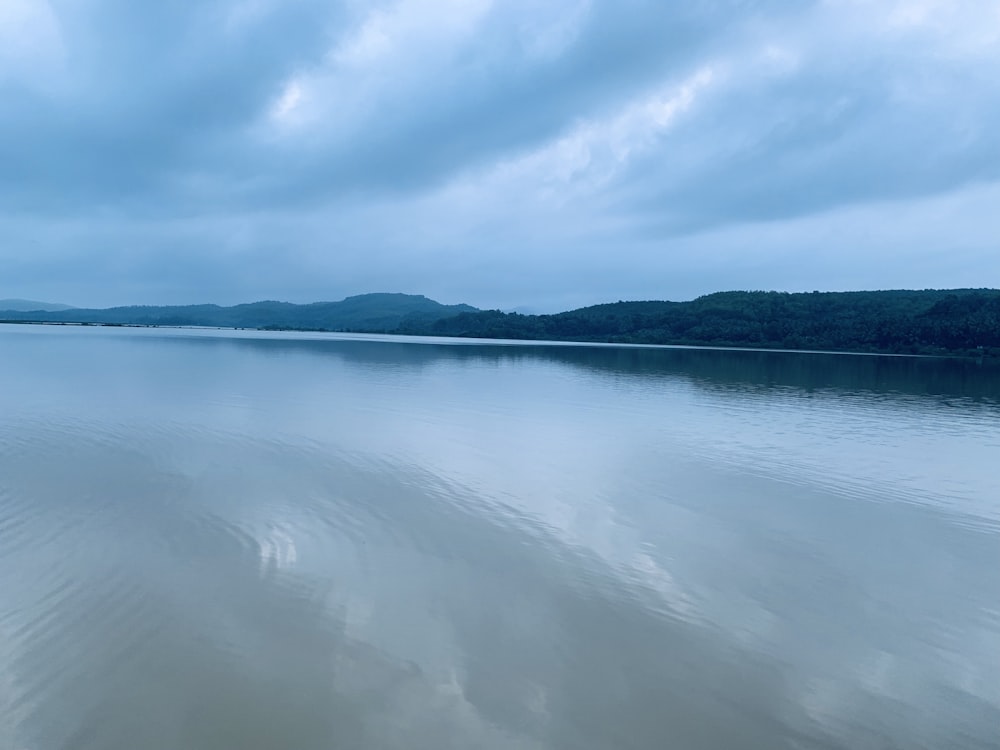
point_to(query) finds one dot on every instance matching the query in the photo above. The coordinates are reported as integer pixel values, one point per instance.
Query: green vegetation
(956, 322)
(962, 321)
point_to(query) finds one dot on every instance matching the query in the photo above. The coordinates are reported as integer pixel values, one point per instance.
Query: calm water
(214, 540)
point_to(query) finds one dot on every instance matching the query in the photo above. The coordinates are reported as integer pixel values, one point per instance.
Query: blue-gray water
(214, 540)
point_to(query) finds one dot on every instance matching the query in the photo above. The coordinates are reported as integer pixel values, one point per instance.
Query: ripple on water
(205, 563)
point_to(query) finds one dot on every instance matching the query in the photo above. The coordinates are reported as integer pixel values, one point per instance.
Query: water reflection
(208, 542)
(921, 376)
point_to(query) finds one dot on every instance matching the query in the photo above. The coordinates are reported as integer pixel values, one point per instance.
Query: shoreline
(479, 340)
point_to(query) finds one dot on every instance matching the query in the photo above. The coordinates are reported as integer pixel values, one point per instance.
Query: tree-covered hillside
(958, 321)
(962, 321)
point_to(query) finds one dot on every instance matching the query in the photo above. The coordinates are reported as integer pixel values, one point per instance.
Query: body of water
(214, 540)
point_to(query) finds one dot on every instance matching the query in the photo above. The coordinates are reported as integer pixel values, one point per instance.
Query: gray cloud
(832, 132)
(497, 153)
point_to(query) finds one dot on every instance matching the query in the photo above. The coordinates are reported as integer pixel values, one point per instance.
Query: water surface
(214, 540)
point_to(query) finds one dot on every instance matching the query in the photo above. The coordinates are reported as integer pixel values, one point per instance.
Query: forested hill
(959, 321)
(365, 312)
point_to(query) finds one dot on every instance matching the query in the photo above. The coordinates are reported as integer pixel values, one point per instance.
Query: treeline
(363, 312)
(962, 321)
(957, 322)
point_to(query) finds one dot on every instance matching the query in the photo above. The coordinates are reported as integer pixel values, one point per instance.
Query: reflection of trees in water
(708, 368)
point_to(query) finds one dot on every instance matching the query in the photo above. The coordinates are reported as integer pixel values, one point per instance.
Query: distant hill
(955, 321)
(366, 312)
(931, 321)
(27, 305)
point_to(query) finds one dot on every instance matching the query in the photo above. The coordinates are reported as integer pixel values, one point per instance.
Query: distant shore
(941, 322)
(984, 355)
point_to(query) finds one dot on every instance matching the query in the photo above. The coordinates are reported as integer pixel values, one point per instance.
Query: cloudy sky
(505, 153)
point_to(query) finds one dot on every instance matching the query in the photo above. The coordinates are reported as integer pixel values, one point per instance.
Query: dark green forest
(962, 322)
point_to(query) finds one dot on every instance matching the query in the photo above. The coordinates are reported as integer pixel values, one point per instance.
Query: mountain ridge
(930, 321)
(29, 305)
(375, 311)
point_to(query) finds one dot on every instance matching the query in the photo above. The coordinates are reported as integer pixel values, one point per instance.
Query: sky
(514, 154)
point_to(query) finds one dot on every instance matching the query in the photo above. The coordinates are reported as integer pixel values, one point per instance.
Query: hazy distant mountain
(365, 312)
(27, 305)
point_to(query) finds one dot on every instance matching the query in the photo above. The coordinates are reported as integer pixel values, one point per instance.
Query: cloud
(488, 151)
(882, 123)
(30, 40)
